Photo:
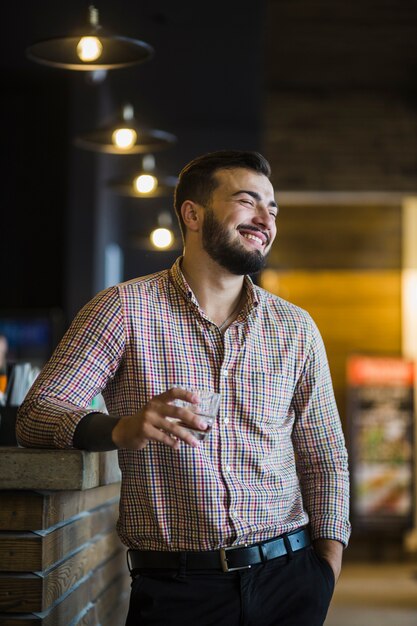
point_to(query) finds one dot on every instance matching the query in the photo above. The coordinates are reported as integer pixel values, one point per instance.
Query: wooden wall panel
(36, 551)
(338, 236)
(61, 560)
(39, 510)
(340, 140)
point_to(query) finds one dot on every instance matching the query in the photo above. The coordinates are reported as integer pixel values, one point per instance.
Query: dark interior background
(327, 90)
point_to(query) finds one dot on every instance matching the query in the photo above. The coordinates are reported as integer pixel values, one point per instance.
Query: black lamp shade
(164, 188)
(148, 140)
(118, 52)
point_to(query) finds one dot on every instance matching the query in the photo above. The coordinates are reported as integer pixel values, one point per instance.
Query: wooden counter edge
(34, 468)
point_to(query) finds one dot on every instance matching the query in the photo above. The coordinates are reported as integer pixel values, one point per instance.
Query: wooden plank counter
(61, 562)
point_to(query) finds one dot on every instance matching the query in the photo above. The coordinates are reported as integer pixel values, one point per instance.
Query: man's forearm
(94, 433)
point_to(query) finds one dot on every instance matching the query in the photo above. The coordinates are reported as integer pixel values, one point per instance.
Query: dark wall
(34, 188)
(340, 100)
(203, 85)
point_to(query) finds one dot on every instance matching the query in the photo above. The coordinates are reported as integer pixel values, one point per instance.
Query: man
(273, 470)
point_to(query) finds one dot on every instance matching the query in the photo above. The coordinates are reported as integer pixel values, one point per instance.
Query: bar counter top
(34, 468)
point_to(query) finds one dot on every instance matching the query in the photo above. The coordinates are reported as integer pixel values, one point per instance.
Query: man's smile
(260, 238)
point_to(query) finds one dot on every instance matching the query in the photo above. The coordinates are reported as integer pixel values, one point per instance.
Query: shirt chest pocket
(265, 398)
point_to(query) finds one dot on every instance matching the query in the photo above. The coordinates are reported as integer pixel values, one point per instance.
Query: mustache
(255, 229)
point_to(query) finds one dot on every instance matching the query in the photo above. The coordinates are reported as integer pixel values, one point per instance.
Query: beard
(231, 255)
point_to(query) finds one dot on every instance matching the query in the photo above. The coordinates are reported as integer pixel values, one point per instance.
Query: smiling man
(248, 526)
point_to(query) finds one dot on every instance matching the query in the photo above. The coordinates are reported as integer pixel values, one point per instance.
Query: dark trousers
(286, 591)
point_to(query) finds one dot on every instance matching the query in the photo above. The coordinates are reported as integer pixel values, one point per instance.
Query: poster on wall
(381, 410)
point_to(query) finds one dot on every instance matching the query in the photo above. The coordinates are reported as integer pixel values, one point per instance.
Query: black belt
(226, 559)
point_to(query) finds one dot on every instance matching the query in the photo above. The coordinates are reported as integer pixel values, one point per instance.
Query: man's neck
(219, 293)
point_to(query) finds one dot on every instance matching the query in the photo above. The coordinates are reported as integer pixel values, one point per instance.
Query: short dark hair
(196, 181)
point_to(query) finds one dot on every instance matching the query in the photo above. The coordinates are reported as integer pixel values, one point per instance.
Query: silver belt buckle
(223, 559)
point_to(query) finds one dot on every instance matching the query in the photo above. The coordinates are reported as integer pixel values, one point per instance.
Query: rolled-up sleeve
(322, 460)
(87, 357)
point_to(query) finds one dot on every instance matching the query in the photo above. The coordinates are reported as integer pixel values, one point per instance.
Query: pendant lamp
(145, 182)
(125, 136)
(93, 49)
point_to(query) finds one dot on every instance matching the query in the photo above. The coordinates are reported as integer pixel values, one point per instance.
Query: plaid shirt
(275, 459)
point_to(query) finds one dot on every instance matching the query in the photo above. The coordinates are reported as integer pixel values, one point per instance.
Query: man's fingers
(171, 428)
(161, 420)
(165, 438)
(183, 414)
(177, 393)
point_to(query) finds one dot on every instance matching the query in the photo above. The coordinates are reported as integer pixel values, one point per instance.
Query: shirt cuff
(329, 527)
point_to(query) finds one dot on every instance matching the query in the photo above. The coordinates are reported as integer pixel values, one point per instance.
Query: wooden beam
(37, 551)
(38, 510)
(23, 593)
(32, 468)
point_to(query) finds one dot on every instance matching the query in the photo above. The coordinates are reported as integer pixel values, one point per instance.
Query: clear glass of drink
(207, 408)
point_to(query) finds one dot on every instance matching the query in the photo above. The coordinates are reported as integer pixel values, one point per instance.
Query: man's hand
(152, 423)
(332, 551)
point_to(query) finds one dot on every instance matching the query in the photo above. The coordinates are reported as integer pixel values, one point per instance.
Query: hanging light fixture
(124, 136)
(90, 51)
(146, 182)
(162, 237)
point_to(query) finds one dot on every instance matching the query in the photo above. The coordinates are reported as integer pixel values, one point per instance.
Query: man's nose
(263, 217)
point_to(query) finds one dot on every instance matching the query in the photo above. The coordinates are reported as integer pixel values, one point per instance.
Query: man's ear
(190, 215)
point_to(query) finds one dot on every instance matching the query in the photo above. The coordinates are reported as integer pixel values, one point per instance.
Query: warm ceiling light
(89, 48)
(145, 183)
(124, 138)
(148, 181)
(162, 238)
(90, 51)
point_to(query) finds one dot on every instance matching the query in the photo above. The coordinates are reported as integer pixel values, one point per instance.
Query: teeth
(248, 236)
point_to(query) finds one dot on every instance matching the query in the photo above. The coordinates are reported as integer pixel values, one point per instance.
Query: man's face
(239, 222)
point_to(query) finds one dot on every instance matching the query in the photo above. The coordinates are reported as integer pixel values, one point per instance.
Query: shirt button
(225, 373)
(226, 420)
(233, 514)
(228, 468)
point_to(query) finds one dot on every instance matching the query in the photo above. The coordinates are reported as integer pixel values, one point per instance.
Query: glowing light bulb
(145, 183)
(161, 238)
(124, 138)
(89, 48)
